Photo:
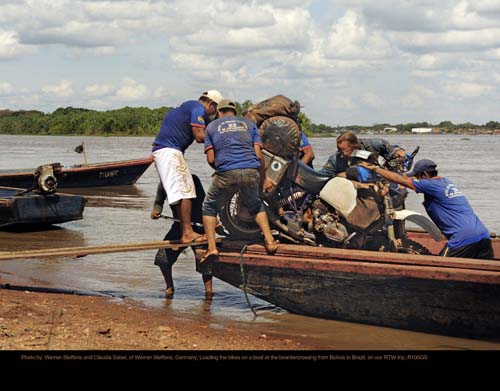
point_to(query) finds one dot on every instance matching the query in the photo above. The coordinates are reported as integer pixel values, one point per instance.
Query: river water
(121, 215)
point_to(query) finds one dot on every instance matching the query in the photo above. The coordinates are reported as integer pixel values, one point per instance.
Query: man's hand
(268, 185)
(155, 214)
(367, 165)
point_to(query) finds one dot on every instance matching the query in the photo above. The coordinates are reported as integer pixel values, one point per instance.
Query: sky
(347, 62)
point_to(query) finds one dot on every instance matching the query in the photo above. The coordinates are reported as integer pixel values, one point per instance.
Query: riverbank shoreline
(53, 322)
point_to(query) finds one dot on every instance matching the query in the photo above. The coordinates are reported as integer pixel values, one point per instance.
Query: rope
(243, 276)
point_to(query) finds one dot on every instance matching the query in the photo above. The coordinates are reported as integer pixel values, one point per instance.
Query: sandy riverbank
(43, 321)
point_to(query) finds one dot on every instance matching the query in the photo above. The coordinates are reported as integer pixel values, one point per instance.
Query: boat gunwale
(363, 266)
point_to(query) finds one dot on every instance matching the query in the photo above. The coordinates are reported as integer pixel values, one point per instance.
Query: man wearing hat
(448, 207)
(180, 127)
(233, 149)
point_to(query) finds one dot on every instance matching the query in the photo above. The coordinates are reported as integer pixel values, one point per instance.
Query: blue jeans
(246, 181)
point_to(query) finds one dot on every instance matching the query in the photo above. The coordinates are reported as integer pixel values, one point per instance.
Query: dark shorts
(246, 181)
(478, 250)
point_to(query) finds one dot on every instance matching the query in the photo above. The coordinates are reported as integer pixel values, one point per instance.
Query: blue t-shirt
(176, 131)
(447, 206)
(304, 142)
(232, 139)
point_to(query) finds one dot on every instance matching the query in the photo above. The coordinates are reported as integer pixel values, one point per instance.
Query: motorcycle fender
(422, 221)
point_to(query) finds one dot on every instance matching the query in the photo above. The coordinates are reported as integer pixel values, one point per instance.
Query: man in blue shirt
(306, 153)
(447, 206)
(233, 149)
(180, 127)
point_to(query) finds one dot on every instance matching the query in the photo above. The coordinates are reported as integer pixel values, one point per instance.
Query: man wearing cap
(448, 207)
(233, 149)
(180, 127)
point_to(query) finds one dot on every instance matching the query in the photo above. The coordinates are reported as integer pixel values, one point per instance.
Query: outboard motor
(46, 178)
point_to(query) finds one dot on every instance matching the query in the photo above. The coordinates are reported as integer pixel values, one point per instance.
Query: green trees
(137, 121)
(143, 121)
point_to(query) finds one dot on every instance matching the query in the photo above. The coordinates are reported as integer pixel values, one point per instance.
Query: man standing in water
(180, 127)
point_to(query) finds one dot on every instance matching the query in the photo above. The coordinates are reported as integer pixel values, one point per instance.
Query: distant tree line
(136, 121)
(446, 126)
(142, 121)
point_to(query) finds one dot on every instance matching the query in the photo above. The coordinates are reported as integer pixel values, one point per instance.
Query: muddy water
(121, 215)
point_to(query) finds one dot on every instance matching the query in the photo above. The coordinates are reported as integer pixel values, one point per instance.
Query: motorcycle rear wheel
(236, 219)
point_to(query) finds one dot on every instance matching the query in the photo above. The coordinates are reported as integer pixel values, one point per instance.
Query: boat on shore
(21, 209)
(117, 173)
(449, 296)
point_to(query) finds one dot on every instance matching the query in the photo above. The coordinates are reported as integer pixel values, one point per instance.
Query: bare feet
(194, 239)
(209, 295)
(169, 293)
(209, 256)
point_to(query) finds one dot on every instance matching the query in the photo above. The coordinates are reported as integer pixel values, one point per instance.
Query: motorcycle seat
(310, 179)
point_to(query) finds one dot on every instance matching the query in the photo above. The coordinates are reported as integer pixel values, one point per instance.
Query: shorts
(477, 250)
(174, 175)
(246, 181)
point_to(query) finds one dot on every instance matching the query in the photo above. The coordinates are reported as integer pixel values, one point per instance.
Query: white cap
(213, 95)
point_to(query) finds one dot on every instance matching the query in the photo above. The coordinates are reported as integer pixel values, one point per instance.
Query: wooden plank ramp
(73, 252)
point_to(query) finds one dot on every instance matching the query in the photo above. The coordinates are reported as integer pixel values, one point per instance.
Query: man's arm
(198, 133)
(266, 184)
(211, 157)
(159, 201)
(391, 176)
(308, 155)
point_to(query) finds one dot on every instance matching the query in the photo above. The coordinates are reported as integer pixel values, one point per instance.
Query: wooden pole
(104, 249)
(84, 153)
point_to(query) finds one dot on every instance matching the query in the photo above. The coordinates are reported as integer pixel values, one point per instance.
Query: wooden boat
(450, 296)
(118, 173)
(31, 209)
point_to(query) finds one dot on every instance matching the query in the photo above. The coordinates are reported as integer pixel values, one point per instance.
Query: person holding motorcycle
(233, 149)
(348, 143)
(448, 207)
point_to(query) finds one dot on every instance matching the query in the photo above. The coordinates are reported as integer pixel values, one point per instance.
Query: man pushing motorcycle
(347, 146)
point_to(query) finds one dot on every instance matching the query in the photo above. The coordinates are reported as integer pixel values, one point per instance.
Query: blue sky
(347, 62)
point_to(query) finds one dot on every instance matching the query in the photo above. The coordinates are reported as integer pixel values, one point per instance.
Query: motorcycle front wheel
(236, 219)
(409, 246)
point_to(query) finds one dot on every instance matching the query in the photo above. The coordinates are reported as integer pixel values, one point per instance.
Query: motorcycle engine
(327, 223)
(45, 178)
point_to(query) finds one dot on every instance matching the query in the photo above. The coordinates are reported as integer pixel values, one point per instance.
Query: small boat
(117, 173)
(449, 296)
(19, 208)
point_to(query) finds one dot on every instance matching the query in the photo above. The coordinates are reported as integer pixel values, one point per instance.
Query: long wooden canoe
(451, 296)
(117, 173)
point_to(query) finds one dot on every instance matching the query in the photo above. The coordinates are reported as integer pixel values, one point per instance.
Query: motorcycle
(308, 207)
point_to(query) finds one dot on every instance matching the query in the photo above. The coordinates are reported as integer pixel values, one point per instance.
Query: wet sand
(44, 321)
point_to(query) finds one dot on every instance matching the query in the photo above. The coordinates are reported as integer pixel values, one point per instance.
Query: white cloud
(98, 90)
(62, 90)
(467, 89)
(11, 48)
(350, 39)
(132, 91)
(450, 41)
(6, 88)
(372, 99)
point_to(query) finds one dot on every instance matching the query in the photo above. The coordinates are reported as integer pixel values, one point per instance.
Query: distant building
(421, 130)
(390, 130)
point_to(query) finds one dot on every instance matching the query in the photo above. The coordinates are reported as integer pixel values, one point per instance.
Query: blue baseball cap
(422, 166)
